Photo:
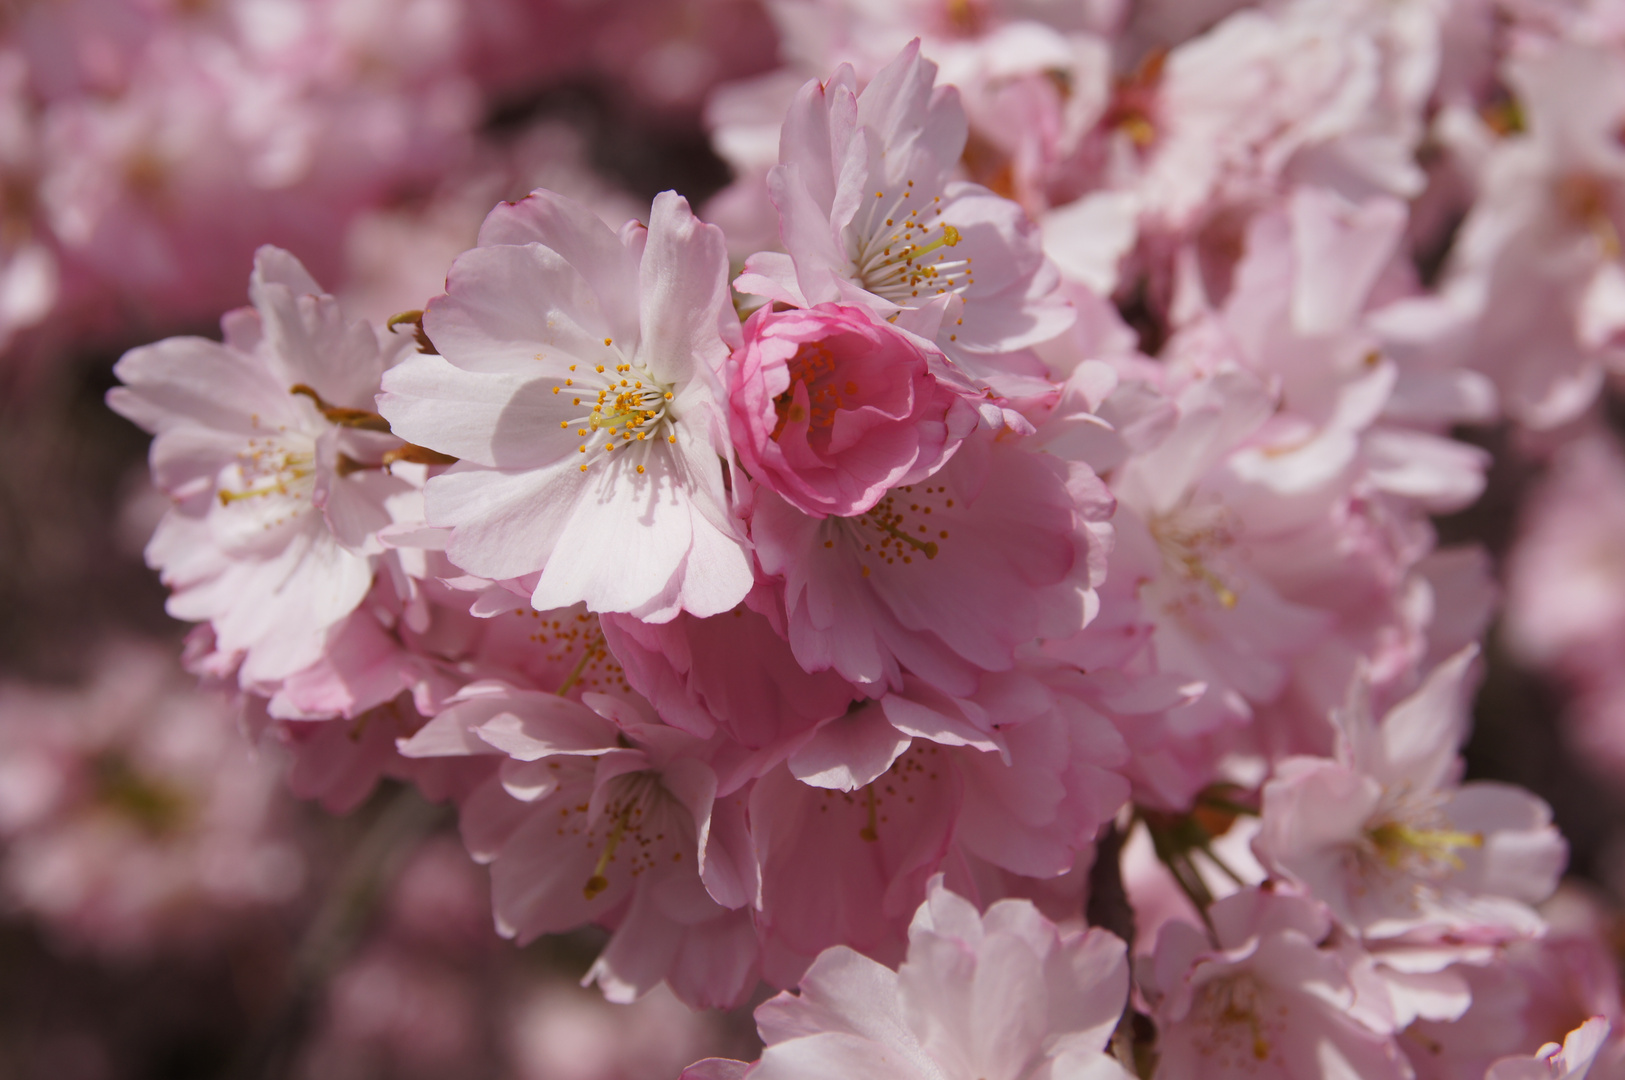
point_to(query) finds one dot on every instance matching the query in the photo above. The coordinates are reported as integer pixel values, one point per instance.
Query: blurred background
(167, 909)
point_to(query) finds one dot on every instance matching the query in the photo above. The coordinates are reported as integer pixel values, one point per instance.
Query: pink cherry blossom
(869, 214)
(1004, 995)
(1018, 778)
(269, 448)
(598, 814)
(831, 406)
(732, 671)
(1527, 996)
(1536, 268)
(1384, 836)
(944, 576)
(1264, 998)
(579, 384)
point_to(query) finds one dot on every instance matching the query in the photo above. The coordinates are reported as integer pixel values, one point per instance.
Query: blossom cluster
(1012, 497)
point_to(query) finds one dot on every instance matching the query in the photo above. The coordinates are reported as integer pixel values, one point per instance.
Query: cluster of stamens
(899, 528)
(577, 641)
(813, 367)
(625, 407)
(270, 466)
(1189, 538)
(890, 792)
(893, 256)
(1236, 1033)
(1416, 840)
(636, 823)
(1585, 199)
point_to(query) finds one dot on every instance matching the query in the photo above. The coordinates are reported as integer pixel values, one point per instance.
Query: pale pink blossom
(579, 384)
(831, 406)
(1001, 995)
(1535, 271)
(600, 814)
(276, 464)
(1527, 996)
(1385, 837)
(869, 214)
(1191, 553)
(1264, 998)
(1316, 91)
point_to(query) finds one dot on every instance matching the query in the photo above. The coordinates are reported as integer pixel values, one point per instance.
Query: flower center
(1189, 538)
(901, 253)
(813, 367)
(1235, 1031)
(906, 524)
(627, 409)
(273, 466)
(1419, 842)
(574, 651)
(1585, 199)
(638, 824)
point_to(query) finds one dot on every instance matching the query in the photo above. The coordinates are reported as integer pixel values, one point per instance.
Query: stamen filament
(598, 882)
(581, 665)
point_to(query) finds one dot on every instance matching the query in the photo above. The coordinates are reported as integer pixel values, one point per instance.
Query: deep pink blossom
(831, 406)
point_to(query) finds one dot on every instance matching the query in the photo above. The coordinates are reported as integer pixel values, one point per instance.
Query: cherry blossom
(832, 406)
(1393, 846)
(277, 466)
(1265, 998)
(1003, 995)
(944, 576)
(869, 214)
(624, 355)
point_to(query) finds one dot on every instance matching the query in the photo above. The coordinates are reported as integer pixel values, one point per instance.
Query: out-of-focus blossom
(1534, 294)
(134, 816)
(1571, 1061)
(1566, 578)
(1388, 841)
(1266, 998)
